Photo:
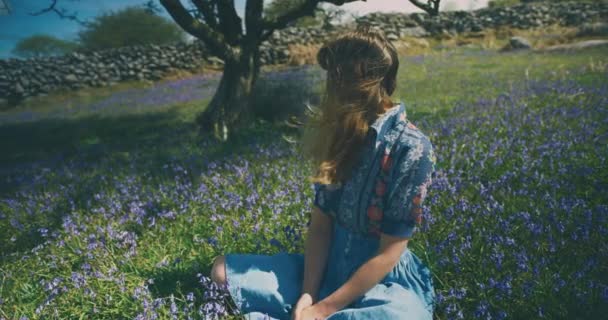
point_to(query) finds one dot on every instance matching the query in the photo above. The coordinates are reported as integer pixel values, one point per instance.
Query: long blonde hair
(361, 70)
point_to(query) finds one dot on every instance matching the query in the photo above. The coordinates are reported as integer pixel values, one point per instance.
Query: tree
(431, 6)
(275, 8)
(43, 45)
(128, 27)
(218, 25)
(323, 17)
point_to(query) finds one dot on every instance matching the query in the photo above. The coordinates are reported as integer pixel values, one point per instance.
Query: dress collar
(387, 120)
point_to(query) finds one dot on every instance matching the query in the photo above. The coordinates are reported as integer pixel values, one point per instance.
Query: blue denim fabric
(383, 195)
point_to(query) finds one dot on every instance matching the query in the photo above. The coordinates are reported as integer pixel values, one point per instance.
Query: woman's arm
(367, 276)
(317, 245)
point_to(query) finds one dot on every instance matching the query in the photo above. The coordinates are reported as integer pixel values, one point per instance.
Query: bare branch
(230, 22)
(431, 6)
(221, 16)
(253, 16)
(61, 12)
(214, 40)
(207, 10)
(5, 6)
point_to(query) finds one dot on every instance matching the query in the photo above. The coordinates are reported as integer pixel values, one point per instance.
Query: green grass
(87, 178)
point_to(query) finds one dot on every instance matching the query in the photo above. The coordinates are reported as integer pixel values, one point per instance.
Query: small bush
(43, 45)
(280, 95)
(129, 27)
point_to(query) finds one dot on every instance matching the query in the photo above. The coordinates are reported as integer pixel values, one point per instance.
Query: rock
(518, 43)
(392, 37)
(71, 78)
(156, 75)
(416, 32)
(476, 27)
(215, 61)
(24, 82)
(77, 56)
(19, 90)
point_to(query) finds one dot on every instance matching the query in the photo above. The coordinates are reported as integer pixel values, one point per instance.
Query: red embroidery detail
(374, 213)
(402, 116)
(417, 199)
(386, 162)
(380, 188)
(417, 214)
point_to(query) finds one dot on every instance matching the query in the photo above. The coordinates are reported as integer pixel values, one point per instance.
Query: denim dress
(384, 194)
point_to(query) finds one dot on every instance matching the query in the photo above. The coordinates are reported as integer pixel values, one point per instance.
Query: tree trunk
(230, 107)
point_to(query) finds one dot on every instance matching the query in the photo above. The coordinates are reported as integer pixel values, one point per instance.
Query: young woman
(373, 169)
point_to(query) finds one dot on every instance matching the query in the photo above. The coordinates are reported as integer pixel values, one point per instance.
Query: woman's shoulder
(414, 144)
(413, 136)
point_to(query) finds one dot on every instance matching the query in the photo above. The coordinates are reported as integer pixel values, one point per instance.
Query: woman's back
(373, 169)
(388, 183)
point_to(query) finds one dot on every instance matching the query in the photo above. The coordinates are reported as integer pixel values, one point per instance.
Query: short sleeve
(410, 177)
(326, 197)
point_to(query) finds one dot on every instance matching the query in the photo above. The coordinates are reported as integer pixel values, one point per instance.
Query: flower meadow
(121, 217)
(154, 97)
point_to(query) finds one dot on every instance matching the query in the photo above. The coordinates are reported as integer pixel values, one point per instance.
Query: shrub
(43, 45)
(128, 27)
(279, 95)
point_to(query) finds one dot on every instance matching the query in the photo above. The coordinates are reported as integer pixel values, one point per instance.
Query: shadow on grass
(43, 158)
(50, 139)
(154, 137)
(89, 147)
(181, 281)
(169, 281)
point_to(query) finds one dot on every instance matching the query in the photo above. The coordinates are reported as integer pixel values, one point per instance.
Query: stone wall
(20, 79)
(523, 16)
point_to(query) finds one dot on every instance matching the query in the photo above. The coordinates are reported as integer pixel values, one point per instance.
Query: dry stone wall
(21, 78)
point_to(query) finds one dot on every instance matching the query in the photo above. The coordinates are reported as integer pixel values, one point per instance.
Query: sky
(20, 23)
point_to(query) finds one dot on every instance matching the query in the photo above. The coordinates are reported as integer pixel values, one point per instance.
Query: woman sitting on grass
(373, 169)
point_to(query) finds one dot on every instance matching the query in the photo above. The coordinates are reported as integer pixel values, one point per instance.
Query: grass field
(111, 205)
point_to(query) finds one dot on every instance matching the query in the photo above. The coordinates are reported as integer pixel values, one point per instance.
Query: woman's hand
(305, 301)
(314, 312)
(318, 311)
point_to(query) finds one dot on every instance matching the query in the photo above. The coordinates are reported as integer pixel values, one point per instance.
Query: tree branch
(230, 22)
(431, 6)
(207, 11)
(62, 13)
(253, 16)
(307, 8)
(214, 40)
